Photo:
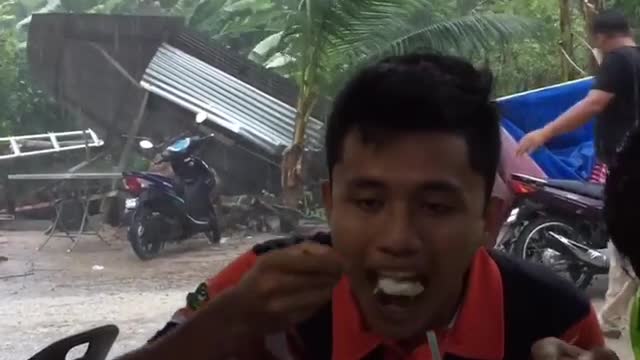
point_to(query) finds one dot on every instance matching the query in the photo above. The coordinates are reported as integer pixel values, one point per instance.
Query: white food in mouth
(398, 286)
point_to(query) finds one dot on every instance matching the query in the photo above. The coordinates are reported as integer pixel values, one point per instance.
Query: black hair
(419, 93)
(622, 196)
(611, 23)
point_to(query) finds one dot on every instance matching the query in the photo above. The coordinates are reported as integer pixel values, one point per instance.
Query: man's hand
(556, 349)
(282, 288)
(532, 141)
(287, 286)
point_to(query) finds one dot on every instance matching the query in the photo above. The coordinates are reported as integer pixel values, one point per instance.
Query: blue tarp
(567, 157)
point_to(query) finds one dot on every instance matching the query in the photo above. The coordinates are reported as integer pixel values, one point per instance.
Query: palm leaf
(314, 30)
(329, 38)
(205, 10)
(260, 52)
(477, 31)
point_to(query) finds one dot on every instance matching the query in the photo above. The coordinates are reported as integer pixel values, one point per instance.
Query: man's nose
(399, 236)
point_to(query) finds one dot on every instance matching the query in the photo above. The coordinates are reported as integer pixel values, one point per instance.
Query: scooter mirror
(201, 117)
(145, 144)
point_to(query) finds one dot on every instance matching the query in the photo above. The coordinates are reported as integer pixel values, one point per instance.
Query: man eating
(412, 148)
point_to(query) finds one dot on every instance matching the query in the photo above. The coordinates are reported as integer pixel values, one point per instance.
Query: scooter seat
(595, 191)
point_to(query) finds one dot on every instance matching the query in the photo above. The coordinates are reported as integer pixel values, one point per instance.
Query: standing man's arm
(579, 114)
(608, 82)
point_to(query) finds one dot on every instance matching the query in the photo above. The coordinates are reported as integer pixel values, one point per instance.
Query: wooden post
(132, 133)
(8, 188)
(126, 153)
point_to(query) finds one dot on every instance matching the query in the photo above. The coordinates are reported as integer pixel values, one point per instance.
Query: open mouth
(397, 291)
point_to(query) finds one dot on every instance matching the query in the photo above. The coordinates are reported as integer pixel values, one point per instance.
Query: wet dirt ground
(50, 294)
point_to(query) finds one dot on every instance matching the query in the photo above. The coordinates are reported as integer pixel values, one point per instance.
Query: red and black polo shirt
(508, 306)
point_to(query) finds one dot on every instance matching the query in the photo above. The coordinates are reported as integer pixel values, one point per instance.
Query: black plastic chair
(99, 342)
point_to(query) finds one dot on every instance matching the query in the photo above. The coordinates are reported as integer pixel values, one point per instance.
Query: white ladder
(29, 145)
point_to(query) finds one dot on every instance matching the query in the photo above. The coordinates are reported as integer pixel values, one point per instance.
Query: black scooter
(558, 223)
(168, 210)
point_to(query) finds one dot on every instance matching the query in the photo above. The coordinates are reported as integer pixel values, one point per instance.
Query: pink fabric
(502, 194)
(512, 164)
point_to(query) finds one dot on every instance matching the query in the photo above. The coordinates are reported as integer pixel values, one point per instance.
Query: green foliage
(240, 24)
(534, 61)
(323, 41)
(25, 108)
(319, 42)
(79, 5)
(630, 7)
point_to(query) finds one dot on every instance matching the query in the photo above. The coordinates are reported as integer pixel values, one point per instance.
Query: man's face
(604, 43)
(410, 212)
(598, 41)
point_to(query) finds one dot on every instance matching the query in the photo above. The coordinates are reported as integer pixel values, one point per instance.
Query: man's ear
(493, 219)
(327, 200)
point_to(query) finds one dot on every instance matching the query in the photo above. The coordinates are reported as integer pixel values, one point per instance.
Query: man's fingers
(555, 349)
(297, 307)
(308, 258)
(307, 300)
(311, 248)
(279, 283)
(600, 354)
(522, 149)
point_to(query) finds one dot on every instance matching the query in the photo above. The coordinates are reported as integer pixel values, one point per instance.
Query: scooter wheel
(533, 235)
(139, 239)
(213, 235)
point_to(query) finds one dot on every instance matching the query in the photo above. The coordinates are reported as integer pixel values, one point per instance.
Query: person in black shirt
(614, 97)
(615, 100)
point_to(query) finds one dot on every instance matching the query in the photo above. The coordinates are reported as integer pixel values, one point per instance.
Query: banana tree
(240, 24)
(324, 40)
(14, 14)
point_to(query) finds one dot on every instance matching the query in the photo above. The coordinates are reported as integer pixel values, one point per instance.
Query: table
(58, 204)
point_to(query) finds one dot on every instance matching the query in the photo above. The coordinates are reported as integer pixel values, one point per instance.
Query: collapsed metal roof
(229, 103)
(93, 65)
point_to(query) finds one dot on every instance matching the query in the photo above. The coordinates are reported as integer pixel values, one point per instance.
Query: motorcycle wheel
(140, 240)
(213, 235)
(534, 235)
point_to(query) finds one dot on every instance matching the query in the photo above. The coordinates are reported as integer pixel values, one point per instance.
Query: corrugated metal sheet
(229, 102)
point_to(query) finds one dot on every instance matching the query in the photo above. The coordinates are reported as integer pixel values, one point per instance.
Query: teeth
(397, 274)
(399, 286)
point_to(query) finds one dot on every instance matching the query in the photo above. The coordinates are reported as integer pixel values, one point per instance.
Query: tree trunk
(291, 167)
(566, 40)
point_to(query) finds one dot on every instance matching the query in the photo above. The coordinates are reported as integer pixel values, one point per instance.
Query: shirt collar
(476, 332)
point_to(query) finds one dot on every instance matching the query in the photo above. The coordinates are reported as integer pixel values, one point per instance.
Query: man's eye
(369, 205)
(437, 208)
